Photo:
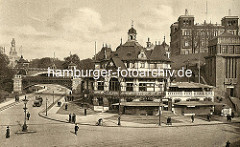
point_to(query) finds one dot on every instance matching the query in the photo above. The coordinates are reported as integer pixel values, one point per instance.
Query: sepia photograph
(119, 73)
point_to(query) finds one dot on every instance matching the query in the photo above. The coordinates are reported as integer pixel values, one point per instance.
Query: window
(224, 49)
(186, 43)
(142, 65)
(150, 87)
(129, 87)
(237, 49)
(142, 87)
(101, 85)
(230, 49)
(114, 84)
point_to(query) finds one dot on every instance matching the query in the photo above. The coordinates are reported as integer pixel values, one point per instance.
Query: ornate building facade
(131, 91)
(190, 38)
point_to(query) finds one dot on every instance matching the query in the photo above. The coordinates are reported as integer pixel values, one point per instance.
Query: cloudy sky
(43, 27)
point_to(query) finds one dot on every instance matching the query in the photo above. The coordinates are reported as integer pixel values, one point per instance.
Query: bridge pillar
(17, 84)
(76, 84)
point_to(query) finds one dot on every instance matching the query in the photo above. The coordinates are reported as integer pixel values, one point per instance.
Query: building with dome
(143, 93)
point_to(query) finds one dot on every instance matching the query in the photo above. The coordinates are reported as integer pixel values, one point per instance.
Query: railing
(202, 93)
(129, 93)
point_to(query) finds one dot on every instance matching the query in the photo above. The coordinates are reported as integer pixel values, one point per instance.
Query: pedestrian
(72, 98)
(66, 106)
(8, 132)
(208, 117)
(74, 118)
(70, 118)
(192, 117)
(170, 120)
(228, 144)
(76, 129)
(229, 117)
(28, 116)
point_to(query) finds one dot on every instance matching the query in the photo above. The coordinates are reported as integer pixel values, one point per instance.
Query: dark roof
(159, 53)
(21, 60)
(72, 64)
(132, 31)
(118, 62)
(101, 54)
(129, 50)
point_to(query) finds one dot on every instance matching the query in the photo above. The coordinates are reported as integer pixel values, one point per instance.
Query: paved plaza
(53, 129)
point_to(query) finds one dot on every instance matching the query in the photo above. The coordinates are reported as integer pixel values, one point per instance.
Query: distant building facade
(190, 38)
(2, 50)
(223, 63)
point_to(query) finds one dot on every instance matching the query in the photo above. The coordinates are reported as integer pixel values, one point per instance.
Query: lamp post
(53, 96)
(119, 103)
(46, 106)
(24, 127)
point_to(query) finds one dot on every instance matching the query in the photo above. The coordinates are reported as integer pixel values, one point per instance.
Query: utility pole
(46, 106)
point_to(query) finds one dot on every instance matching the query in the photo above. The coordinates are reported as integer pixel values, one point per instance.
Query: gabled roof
(159, 53)
(101, 55)
(118, 62)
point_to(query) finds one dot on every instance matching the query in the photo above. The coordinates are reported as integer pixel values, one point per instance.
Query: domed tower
(132, 34)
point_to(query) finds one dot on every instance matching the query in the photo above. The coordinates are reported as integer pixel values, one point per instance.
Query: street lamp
(53, 96)
(119, 101)
(24, 127)
(46, 106)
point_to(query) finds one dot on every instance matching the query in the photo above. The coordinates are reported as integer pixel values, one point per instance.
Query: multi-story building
(140, 91)
(223, 63)
(190, 38)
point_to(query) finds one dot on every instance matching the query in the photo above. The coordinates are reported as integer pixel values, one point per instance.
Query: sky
(43, 27)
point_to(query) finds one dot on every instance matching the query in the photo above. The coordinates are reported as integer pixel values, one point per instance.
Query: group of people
(69, 98)
(72, 118)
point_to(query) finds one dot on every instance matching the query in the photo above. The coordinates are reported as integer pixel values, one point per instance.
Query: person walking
(70, 118)
(66, 106)
(74, 118)
(8, 132)
(192, 117)
(208, 117)
(76, 129)
(28, 116)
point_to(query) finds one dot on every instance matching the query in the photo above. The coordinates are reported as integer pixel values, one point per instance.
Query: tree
(72, 58)
(6, 74)
(45, 63)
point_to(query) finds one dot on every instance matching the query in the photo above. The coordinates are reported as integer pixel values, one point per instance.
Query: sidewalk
(11, 101)
(107, 122)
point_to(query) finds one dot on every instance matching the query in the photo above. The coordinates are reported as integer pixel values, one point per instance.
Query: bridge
(33, 76)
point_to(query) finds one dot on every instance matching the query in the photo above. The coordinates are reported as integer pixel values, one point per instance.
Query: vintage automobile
(38, 101)
(39, 98)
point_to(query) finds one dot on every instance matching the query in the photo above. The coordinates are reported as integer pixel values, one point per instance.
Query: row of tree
(62, 64)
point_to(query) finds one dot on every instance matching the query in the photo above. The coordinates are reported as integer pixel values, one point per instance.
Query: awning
(198, 103)
(140, 104)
